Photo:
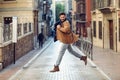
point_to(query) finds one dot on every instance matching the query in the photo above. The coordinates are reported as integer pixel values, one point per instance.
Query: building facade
(45, 17)
(26, 14)
(106, 24)
(53, 10)
(73, 11)
(82, 16)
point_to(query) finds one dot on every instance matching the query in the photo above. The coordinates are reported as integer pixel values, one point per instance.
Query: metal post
(14, 53)
(116, 38)
(91, 44)
(116, 27)
(103, 37)
(14, 37)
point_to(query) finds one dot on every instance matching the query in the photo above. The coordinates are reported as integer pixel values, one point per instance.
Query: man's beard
(63, 20)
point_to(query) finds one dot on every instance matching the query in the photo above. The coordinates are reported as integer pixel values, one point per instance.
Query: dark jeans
(40, 44)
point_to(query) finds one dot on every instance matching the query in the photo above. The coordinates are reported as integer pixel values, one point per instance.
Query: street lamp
(44, 9)
(44, 2)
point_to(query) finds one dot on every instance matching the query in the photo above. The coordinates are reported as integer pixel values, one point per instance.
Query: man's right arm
(55, 27)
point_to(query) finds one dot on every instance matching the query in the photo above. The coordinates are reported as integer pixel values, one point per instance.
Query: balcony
(80, 17)
(106, 10)
(105, 6)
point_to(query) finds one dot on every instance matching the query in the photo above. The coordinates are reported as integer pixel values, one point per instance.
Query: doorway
(111, 34)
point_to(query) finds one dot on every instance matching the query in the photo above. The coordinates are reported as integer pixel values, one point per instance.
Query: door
(111, 33)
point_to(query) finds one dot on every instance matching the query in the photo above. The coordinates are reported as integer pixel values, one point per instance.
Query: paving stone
(71, 68)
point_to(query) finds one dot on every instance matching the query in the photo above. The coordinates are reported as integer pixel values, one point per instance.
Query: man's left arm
(65, 27)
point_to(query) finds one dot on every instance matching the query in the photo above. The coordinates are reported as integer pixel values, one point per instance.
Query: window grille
(100, 29)
(25, 28)
(19, 29)
(7, 29)
(94, 28)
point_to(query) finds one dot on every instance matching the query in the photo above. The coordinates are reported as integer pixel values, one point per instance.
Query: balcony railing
(86, 47)
(100, 4)
(1, 30)
(7, 32)
(80, 17)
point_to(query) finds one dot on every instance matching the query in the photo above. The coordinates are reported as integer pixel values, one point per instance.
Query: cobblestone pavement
(71, 68)
(109, 61)
(7, 72)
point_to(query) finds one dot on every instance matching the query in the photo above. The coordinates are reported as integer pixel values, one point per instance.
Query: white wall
(1, 29)
(53, 9)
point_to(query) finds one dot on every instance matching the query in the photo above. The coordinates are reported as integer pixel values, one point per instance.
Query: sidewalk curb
(39, 53)
(94, 65)
(28, 63)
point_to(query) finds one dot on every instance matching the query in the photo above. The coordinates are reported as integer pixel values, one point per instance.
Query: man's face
(62, 17)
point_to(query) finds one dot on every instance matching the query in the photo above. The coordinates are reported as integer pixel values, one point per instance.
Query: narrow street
(71, 68)
(28, 50)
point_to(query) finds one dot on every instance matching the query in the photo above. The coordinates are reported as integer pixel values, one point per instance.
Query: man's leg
(39, 44)
(73, 52)
(62, 50)
(82, 57)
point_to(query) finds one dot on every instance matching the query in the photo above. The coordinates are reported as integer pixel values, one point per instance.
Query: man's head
(62, 16)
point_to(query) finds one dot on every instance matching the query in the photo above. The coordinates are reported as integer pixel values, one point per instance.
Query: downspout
(1, 34)
(116, 28)
(116, 22)
(103, 31)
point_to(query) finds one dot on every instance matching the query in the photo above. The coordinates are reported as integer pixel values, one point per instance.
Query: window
(109, 2)
(119, 32)
(30, 27)
(7, 29)
(94, 28)
(19, 29)
(82, 8)
(119, 29)
(93, 4)
(77, 16)
(100, 29)
(119, 3)
(25, 28)
(100, 3)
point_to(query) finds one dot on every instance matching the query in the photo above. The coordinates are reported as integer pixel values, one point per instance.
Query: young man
(65, 37)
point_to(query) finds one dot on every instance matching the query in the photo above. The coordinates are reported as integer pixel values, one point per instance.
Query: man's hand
(58, 26)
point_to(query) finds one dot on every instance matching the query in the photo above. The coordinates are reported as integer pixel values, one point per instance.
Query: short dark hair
(62, 14)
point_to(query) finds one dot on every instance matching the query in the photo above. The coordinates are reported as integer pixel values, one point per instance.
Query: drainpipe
(116, 28)
(92, 43)
(116, 22)
(103, 31)
(103, 37)
(1, 29)
(116, 38)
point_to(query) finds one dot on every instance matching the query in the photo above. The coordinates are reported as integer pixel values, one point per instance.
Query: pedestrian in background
(40, 40)
(66, 38)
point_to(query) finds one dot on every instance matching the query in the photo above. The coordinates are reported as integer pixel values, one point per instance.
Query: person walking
(66, 38)
(40, 39)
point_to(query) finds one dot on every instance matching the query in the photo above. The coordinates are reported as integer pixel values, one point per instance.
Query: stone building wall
(23, 46)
